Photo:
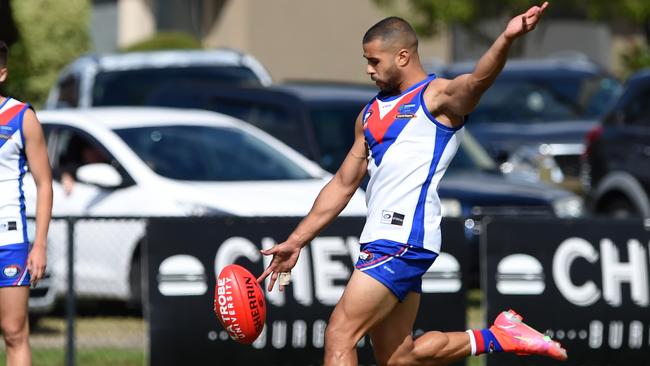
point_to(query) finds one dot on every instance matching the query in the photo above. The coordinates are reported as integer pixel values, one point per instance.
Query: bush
(50, 35)
(166, 41)
(636, 58)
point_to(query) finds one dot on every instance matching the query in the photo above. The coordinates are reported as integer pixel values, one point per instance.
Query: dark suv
(534, 118)
(617, 158)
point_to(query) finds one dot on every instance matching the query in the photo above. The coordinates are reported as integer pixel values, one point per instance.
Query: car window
(133, 87)
(334, 129)
(68, 92)
(546, 99)
(204, 153)
(74, 149)
(637, 110)
(274, 120)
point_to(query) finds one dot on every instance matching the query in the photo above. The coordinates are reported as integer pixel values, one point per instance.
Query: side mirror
(100, 174)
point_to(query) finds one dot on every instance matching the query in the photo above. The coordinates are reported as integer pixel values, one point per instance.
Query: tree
(427, 16)
(50, 35)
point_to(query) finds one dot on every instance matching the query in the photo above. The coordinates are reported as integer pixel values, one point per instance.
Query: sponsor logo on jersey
(405, 116)
(366, 116)
(4, 136)
(7, 226)
(408, 108)
(393, 218)
(11, 270)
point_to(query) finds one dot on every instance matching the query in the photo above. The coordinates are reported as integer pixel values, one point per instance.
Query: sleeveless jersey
(13, 228)
(409, 154)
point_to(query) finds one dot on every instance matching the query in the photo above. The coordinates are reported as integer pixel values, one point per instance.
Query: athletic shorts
(398, 266)
(13, 265)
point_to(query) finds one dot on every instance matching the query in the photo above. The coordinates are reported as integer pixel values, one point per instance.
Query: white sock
(472, 341)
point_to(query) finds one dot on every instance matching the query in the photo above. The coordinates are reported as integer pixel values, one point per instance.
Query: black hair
(394, 30)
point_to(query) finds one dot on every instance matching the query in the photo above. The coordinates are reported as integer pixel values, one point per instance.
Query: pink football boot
(517, 337)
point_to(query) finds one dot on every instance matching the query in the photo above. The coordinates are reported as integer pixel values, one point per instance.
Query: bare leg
(432, 349)
(388, 334)
(14, 324)
(364, 303)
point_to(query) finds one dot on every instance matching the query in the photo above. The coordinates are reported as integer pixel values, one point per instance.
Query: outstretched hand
(524, 23)
(285, 256)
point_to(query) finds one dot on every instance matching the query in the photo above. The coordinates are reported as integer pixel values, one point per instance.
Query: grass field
(121, 340)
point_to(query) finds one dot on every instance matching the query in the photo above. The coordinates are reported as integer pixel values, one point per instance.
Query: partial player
(239, 304)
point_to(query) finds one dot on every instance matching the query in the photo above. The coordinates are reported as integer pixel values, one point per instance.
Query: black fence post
(70, 297)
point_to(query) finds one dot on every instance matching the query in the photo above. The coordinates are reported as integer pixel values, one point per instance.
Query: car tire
(135, 283)
(619, 207)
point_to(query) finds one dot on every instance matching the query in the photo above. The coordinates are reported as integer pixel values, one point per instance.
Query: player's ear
(403, 57)
(3, 74)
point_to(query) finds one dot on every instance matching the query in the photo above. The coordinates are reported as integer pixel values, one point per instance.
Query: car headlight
(568, 207)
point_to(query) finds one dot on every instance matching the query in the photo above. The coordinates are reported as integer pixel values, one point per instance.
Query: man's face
(382, 67)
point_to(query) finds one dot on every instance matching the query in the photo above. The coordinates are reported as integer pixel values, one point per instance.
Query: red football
(239, 304)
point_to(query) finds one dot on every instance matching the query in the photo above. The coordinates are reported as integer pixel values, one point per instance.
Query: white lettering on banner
(614, 272)
(615, 334)
(595, 334)
(318, 336)
(329, 270)
(300, 279)
(299, 334)
(353, 248)
(232, 249)
(566, 253)
(636, 335)
(635, 272)
(279, 337)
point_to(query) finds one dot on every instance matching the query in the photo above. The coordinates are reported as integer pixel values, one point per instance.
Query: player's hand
(36, 262)
(285, 256)
(524, 23)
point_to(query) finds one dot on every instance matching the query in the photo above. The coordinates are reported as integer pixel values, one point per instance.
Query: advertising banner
(583, 282)
(184, 256)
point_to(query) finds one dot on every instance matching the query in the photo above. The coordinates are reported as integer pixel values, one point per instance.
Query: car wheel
(619, 208)
(135, 283)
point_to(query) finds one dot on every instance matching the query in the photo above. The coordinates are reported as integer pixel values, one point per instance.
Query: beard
(388, 85)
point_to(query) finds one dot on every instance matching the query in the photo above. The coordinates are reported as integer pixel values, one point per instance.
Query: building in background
(314, 39)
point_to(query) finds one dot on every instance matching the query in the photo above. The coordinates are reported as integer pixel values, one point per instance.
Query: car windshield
(205, 153)
(533, 99)
(133, 87)
(334, 129)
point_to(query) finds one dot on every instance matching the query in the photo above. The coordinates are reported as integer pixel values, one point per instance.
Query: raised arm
(39, 166)
(458, 97)
(331, 200)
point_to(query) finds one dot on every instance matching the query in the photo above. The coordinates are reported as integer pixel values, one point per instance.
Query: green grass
(94, 357)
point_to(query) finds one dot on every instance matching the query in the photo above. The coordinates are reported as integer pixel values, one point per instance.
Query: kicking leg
(389, 333)
(508, 334)
(364, 303)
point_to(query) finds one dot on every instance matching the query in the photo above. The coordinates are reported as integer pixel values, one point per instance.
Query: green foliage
(636, 58)
(166, 41)
(428, 15)
(51, 35)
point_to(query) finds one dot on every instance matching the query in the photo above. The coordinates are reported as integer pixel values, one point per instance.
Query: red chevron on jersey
(378, 125)
(9, 114)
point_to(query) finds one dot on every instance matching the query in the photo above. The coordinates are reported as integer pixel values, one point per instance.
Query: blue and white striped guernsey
(13, 166)
(409, 153)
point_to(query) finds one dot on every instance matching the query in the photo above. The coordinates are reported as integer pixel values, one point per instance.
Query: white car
(141, 162)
